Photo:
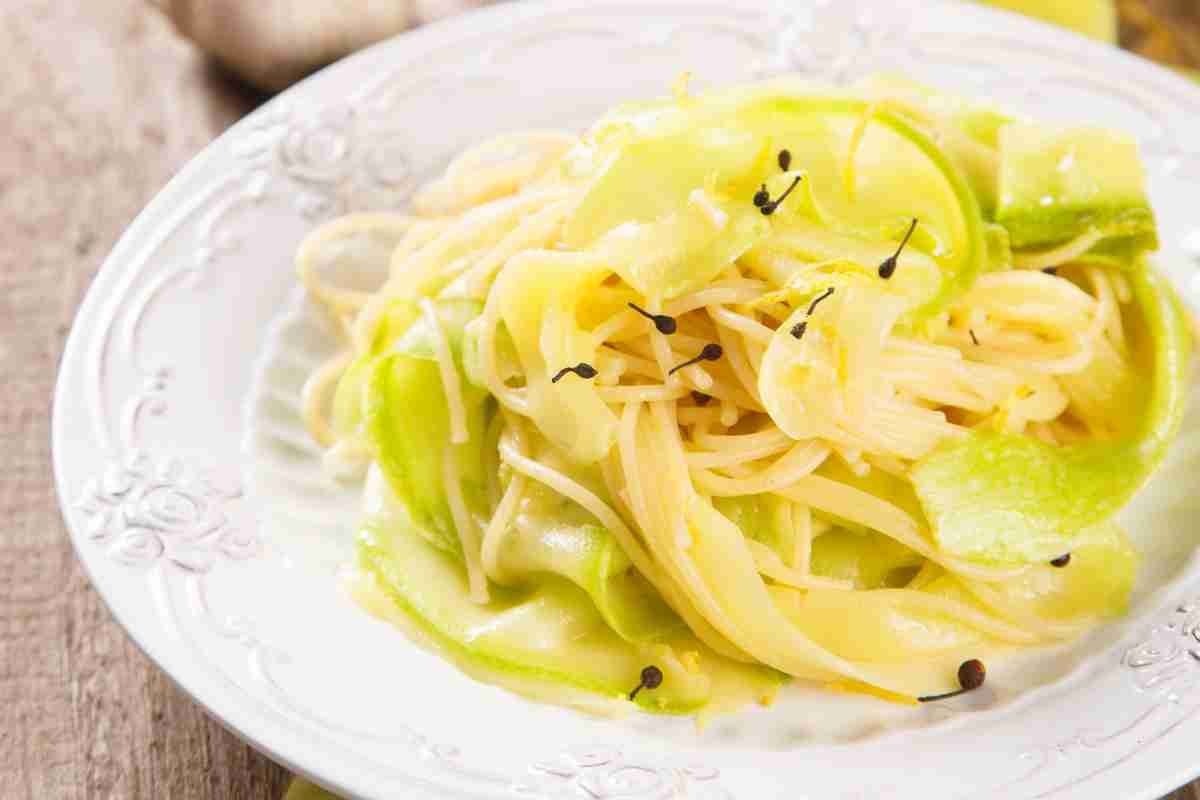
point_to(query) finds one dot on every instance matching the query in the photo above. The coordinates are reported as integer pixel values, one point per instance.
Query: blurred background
(101, 102)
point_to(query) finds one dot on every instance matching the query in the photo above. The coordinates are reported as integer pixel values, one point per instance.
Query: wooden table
(99, 105)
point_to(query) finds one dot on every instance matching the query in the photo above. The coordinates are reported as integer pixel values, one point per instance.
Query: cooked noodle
(1021, 351)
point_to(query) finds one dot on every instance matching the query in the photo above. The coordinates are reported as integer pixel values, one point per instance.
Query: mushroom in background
(274, 43)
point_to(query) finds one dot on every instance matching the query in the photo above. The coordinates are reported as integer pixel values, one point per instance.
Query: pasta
(766, 387)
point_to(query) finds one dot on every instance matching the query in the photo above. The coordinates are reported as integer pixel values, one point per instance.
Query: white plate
(198, 507)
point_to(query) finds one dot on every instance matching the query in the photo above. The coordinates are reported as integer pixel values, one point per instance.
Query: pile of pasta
(745, 442)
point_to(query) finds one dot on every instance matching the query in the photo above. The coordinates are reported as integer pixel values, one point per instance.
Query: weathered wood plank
(99, 105)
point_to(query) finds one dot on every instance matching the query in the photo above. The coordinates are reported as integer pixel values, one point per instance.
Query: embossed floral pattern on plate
(147, 511)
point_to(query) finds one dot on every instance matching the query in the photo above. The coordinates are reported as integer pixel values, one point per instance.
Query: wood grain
(99, 105)
(1167, 31)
